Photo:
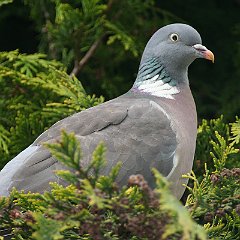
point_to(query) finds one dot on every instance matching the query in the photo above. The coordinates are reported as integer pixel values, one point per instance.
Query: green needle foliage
(235, 130)
(2, 2)
(210, 134)
(4, 140)
(214, 199)
(37, 93)
(94, 207)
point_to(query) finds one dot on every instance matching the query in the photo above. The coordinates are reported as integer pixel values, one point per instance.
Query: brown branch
(109, 5)
(79, 65)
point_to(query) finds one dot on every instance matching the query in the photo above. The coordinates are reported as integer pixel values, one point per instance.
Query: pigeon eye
(174, 37)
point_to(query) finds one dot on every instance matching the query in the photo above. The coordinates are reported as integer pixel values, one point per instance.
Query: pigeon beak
(205, 53)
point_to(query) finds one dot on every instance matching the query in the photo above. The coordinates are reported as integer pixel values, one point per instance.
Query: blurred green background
(25, 25)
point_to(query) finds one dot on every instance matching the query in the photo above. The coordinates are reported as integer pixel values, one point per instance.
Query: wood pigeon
(153, 125)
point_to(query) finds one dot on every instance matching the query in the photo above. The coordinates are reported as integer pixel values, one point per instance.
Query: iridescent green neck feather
(153, 79)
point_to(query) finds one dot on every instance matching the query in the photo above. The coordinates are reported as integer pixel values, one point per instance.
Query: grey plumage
(152, 125)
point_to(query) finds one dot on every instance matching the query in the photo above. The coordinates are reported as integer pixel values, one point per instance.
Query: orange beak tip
(209, 55)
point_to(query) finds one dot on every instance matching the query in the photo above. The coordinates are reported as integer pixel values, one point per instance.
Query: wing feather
(135, 132)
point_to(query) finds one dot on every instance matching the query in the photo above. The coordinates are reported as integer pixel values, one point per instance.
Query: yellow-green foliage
(35, 94)
(215, 140)
(214, 199)
(93, 207)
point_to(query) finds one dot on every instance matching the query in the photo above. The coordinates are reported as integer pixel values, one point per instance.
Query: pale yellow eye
(174, 37)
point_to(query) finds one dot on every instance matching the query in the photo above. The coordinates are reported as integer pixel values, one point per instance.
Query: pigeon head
(167, 56)
(178, 45)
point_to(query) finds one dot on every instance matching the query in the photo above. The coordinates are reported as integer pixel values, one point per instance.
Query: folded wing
(135, 132)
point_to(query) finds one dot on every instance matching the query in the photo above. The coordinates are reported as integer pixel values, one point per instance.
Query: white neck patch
(157, 87)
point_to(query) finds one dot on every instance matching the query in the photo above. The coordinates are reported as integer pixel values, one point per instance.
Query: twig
(79, 65)
(109, 5)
